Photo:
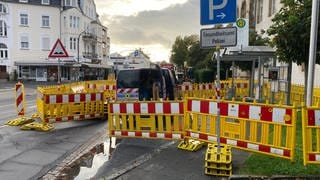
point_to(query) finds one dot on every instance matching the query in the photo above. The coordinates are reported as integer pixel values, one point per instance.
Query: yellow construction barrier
(218, 163)
(149, 119)
(20, 121)
(190, 145)
(311, 135)
(264, 128)
(68, 102)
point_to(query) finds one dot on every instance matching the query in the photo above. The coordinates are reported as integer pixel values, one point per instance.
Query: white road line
(3, 126)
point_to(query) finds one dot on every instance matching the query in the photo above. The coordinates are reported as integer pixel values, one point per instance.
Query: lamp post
(78, 44)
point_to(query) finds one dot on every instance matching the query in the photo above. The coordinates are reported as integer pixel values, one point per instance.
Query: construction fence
(263, 128)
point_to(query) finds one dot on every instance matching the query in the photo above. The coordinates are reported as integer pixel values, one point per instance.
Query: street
(31, 154)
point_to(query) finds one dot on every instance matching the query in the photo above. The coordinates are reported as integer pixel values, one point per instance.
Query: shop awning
(105, 66)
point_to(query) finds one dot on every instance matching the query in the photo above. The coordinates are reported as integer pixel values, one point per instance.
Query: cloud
(155, 26)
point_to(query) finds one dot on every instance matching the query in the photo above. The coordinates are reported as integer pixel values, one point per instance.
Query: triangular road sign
(58, 50)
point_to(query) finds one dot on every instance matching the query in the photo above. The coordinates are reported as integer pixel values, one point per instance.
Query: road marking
(3, 126)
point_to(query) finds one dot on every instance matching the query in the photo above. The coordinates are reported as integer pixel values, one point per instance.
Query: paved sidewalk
(137, 159)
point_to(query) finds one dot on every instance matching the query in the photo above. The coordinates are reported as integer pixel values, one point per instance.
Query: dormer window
(46, 2)
(3, 9)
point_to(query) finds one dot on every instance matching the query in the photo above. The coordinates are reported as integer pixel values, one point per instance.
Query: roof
(248, 53)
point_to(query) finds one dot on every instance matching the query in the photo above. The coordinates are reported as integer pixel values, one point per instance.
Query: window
(74, 43)
(70, 19)
(67, 2)
(272, 7)
(45, 42)
(45, 21)
(3, 28)
(24, 19)
(259, 11)
(24, 42)
(3, 8)
(3, 51)
(45, 2)
(74, 21)
(64, 21)
(78, 22)
(71, 39)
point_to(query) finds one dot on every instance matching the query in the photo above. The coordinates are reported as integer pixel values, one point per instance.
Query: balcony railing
(89, 37)
(90, 55)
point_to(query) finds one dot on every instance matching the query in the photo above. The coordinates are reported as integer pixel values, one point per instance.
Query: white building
(135, 59)
(260, 13)
(29, 29)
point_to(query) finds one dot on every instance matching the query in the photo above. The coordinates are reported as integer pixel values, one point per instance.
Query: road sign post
(58, 51)
(218, 12)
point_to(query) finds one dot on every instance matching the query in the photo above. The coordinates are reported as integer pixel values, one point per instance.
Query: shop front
(69, 71)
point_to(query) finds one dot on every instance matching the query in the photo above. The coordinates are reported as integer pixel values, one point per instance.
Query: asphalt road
(31, 154)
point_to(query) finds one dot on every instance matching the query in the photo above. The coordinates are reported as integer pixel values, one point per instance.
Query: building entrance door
(41, 74)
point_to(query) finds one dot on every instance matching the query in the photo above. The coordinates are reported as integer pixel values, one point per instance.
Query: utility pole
(312, 50)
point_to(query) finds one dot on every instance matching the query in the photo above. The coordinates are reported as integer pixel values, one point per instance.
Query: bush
(205, 76)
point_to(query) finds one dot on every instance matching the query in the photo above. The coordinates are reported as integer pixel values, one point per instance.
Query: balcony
(89, 37)
(90, 55)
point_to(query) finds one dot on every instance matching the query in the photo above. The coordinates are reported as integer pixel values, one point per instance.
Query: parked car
(171, 83)
(141, 84)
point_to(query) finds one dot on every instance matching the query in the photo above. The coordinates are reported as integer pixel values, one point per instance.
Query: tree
(291, 32)
(180, 49)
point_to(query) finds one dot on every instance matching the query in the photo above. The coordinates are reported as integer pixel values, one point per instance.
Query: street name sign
(218, 11)
(222, 37)
(58, 50)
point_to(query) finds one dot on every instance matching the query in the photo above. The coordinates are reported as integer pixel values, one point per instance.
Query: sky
(151, 25)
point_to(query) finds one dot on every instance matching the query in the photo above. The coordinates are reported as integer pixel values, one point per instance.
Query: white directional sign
(223, 37)
(218, 11)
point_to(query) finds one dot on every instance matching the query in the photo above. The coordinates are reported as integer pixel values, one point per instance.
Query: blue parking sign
(218, 11)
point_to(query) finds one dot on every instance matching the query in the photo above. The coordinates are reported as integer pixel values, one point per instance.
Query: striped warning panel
(185, 87)
(73, 118)
(147, 108)
(237, 110)
(243, 144)
(73, 98)
(20, 99)
(140, 134)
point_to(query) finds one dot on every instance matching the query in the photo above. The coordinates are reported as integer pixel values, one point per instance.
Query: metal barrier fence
(311, 135)
(263, 128)
(150, 119)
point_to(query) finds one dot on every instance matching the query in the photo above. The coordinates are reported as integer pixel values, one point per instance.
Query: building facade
(30, 28)
(260, 13)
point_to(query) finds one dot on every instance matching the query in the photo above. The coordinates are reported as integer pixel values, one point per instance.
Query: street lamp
(78, 58)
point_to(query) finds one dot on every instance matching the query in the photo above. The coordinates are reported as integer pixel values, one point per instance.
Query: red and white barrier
(148, 108)
(242, 144)
(73, 118)
(255, 112)
(140, 134)
(73, 98)
(20, 99)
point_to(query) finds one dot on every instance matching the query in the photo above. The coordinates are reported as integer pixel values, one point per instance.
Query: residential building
(135, 59)
(30, 29)
(260, 13)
